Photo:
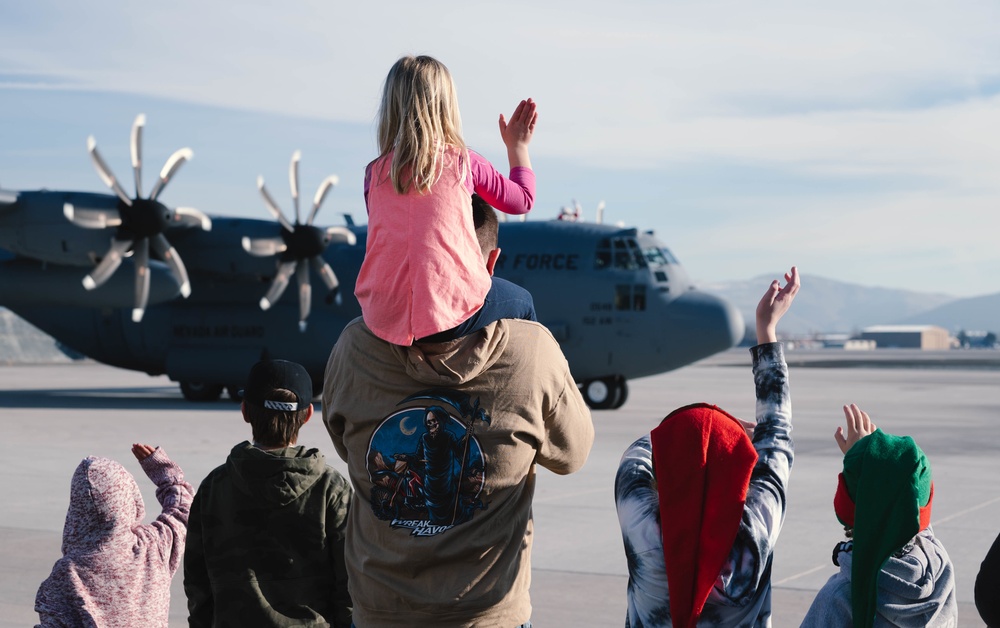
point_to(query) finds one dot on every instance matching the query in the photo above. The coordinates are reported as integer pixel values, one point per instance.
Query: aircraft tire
(621, 392)
(201, 391)
(599, 394)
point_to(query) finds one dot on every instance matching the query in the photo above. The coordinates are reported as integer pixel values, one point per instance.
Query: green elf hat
(885, 495)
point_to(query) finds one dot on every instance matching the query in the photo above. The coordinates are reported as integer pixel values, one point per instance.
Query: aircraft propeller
(299, 246)
(140, 222)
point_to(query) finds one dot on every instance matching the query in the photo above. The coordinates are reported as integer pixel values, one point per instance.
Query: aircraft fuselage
(615, 298)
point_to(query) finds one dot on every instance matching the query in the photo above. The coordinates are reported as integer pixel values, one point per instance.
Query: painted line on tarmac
(967, 511)
(798, 575)
(950, 517)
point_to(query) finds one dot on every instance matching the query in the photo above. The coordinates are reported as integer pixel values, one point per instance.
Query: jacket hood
(457, 361)
(916, 588)
(104, 506)
(279, 476)
(915, 574)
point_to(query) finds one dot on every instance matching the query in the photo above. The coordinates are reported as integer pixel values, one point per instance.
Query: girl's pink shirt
(514, 195)
(423, 271)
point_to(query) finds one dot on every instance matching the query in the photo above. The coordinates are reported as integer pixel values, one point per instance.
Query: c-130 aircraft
(132, 283)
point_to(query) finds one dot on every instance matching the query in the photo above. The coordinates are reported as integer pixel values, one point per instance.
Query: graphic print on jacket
(426, 467)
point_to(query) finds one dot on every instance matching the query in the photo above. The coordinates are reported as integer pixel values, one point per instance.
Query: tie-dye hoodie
(114, 570)
(741, 595)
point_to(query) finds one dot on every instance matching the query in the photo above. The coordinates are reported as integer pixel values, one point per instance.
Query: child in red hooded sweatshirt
(115, 571)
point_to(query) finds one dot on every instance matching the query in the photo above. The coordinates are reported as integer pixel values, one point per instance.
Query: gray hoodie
(915, 589)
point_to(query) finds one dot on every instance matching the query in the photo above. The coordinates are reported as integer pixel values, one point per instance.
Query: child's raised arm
(773, 306)
(859, 425)
(517, 133)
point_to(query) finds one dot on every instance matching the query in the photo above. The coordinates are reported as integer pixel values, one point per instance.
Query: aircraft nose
(714, 322)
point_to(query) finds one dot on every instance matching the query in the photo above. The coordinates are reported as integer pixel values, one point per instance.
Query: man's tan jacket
(441, 442)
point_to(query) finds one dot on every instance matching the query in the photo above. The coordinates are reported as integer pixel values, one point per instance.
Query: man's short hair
(484, 217)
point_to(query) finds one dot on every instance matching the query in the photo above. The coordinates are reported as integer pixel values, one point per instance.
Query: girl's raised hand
(518, 132)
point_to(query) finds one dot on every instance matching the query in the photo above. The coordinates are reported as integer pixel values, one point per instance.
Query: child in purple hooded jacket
(115, 571)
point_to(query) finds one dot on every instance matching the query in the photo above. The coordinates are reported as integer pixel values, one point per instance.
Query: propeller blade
(169, 255)
(305, 293)
(600, 212)
(278, 286)
(136, 146)
(272, 206)
(321, 193)
(325, 272)
(293, 179)
(189, 216)
(107, 267)
(174, 162)
(342, 235)
(141, 279)
(264, 247)
(91, 218)
(104, 172)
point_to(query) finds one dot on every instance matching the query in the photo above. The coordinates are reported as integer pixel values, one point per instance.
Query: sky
(856, 139)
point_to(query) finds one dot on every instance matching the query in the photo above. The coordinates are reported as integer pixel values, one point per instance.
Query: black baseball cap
(268, 375)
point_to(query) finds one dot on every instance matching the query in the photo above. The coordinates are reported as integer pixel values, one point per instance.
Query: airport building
(908, 336)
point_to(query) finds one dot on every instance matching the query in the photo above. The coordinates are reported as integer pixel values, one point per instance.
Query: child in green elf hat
(893, 571)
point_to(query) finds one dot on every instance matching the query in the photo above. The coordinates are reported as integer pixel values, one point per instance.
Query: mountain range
(829, 306)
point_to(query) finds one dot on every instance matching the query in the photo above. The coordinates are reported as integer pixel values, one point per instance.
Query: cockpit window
(623, 257)
(623, 297)
(659, 256)
(603, 259)
(630, 297)
(655, 257)
(619, 253)
(639, 297)
(633, 247)
(627, 254)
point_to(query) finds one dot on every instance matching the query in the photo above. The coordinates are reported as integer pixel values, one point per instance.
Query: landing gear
(606, 393)
(200, 391)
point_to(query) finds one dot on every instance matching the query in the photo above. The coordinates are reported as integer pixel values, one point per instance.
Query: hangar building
(908, 336)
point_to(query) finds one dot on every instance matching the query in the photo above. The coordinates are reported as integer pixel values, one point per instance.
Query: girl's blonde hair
(418, 117)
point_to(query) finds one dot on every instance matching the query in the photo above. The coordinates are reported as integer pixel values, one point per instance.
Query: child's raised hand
(859, 425)
(774, 304)
(517, 133)
(141, 452)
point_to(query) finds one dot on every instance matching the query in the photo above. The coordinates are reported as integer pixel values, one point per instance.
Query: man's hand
(773, 306)
(141, 452)
(859, 425)
(517, 133)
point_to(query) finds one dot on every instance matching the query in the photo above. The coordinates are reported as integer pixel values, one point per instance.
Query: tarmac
(53, 415)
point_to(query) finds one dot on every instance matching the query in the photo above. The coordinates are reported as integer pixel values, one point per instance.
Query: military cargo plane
(135, 284)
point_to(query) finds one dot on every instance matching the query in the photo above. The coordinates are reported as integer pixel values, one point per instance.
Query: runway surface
(55, 415)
